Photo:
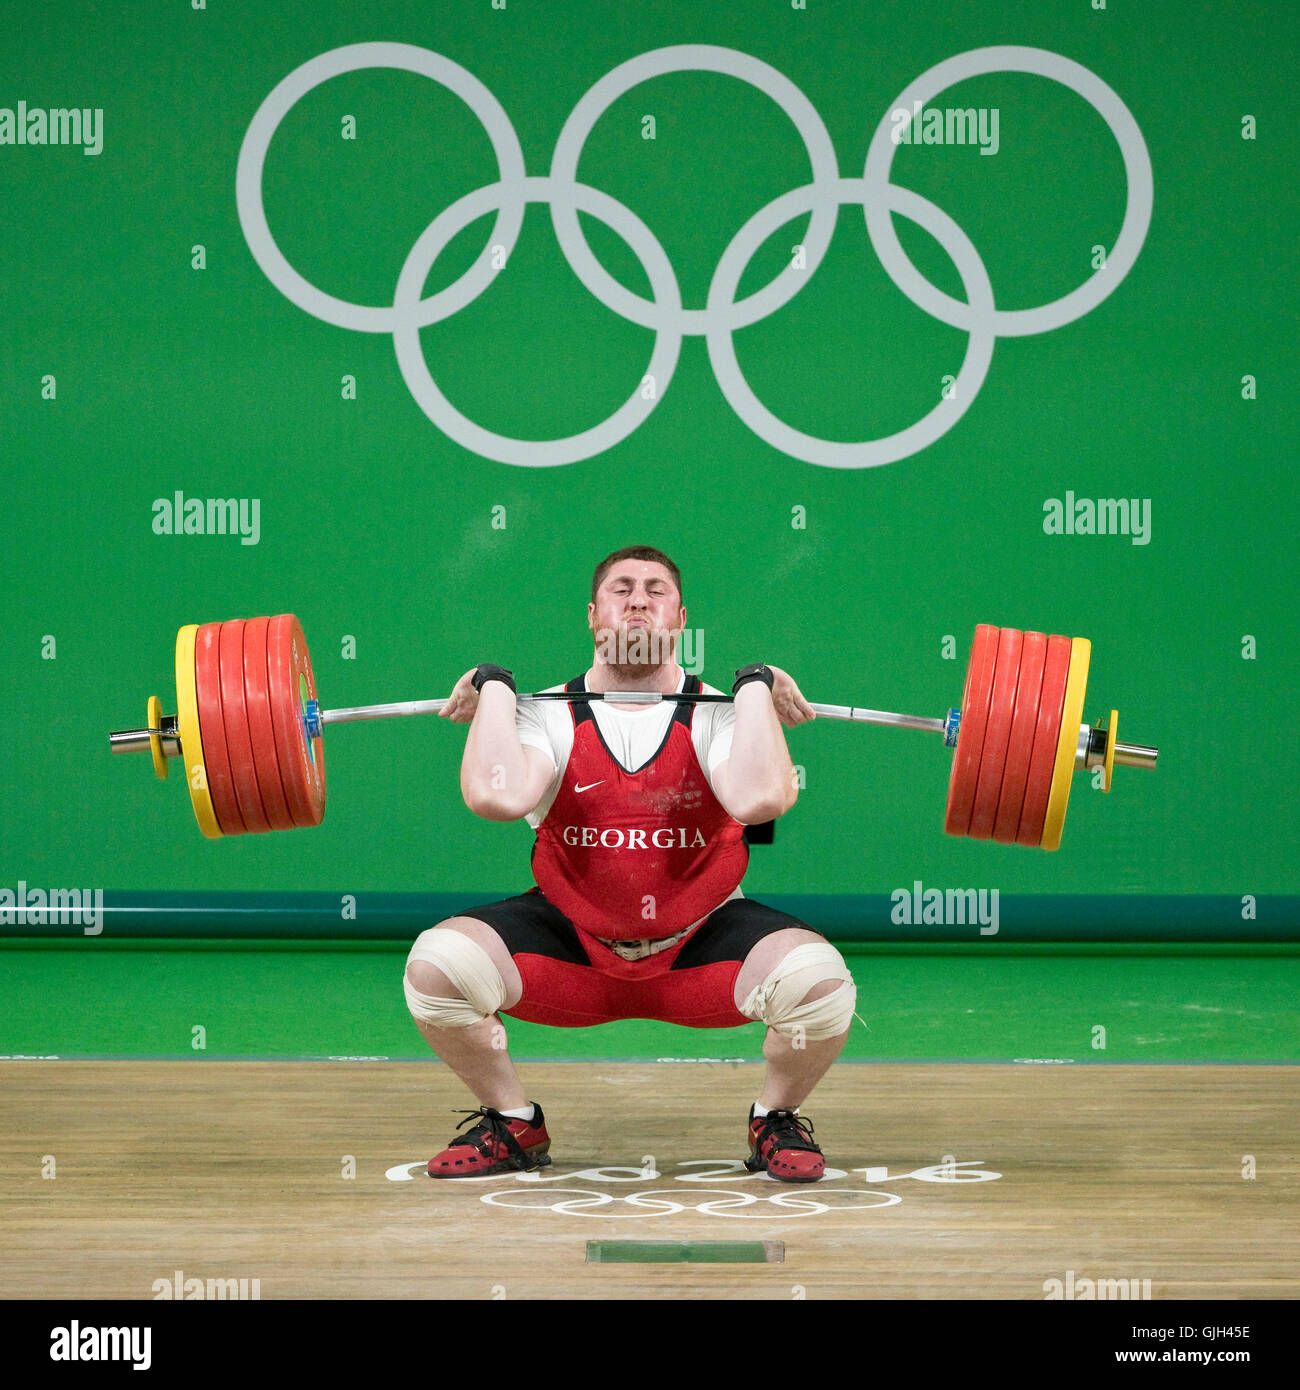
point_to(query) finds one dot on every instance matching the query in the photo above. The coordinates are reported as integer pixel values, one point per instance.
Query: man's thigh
(748, 936)
(552, 979)
(490, 940)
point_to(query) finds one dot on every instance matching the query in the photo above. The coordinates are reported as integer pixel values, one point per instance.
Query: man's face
(635, 617)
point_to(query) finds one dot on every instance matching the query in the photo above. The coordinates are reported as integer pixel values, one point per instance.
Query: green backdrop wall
(133, 367)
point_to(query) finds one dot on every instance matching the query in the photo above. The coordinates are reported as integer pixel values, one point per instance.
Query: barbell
(249, 729)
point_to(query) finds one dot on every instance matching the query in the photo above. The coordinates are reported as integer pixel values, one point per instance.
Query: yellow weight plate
(187, 719)
(1112, 733)
(1067, 745)
(153, 722)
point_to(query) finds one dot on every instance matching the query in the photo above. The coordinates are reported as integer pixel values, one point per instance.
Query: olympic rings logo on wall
(723, 313)
(538, 1191)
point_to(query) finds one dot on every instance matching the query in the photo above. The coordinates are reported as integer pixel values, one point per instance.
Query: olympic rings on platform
(662, 1202)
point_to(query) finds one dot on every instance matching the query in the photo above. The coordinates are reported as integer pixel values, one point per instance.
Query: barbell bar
(249, 730)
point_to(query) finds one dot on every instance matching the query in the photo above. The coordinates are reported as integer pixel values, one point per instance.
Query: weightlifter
(639, 812)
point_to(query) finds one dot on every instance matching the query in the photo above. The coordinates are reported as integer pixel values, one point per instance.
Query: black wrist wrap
(487, 672)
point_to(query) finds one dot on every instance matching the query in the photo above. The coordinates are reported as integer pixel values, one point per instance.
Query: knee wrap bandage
(776, 1000)
(469, 968)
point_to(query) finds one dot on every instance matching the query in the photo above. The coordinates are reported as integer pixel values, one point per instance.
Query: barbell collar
(1092, 750)
(137, 740)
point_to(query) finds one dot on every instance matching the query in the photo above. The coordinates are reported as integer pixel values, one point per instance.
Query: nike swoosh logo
(589, 786)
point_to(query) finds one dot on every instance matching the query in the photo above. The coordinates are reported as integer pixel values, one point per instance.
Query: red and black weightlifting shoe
(497, 1144)
(781, 1142)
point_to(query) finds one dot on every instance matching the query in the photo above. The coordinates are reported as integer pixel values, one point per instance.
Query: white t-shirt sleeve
(530, 723)
(547, 726)
(712, 733)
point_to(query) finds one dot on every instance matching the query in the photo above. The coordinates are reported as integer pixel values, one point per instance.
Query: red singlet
(636, 854)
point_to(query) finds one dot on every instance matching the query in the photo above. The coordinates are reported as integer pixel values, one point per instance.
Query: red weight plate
(1047, 729)
(1002, 707)
(1020, 743)
(261, 731)
(970, 733)
(212, 728)
(291, 684)
(239, 746)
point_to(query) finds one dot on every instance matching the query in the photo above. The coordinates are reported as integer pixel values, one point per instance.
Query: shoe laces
(492, 1129)
(787, 1130)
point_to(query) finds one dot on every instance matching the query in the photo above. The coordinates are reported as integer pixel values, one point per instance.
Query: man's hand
(787, 699)
(463, 700)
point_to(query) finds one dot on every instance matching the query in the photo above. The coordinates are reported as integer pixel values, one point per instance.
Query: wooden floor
(236, 1170)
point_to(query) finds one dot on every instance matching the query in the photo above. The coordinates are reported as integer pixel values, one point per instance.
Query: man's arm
(500, 778)
(757, 782)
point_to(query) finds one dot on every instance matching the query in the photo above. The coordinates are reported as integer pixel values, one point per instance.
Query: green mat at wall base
(914, 915)
(985, 1002)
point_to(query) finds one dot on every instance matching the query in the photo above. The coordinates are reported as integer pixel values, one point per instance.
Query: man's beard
(635, 653)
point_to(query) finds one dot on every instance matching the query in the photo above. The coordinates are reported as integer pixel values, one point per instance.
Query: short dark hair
(636, 552)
